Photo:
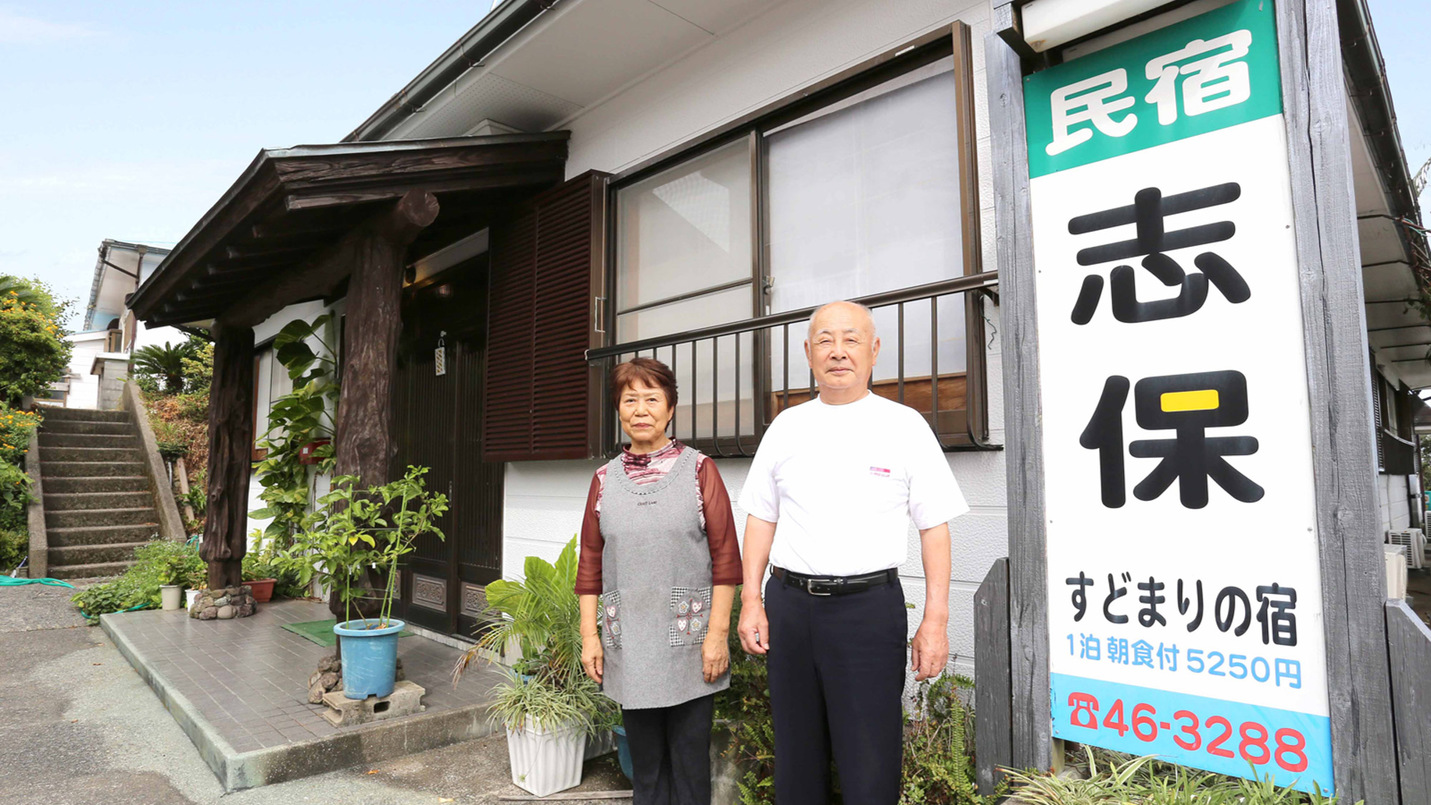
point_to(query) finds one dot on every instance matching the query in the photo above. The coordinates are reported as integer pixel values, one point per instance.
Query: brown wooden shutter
(540, 394)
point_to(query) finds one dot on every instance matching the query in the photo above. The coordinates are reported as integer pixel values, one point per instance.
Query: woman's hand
(592, 657)
(715, 656)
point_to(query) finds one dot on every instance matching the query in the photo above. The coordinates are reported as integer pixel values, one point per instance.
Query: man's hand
(592, 657)
(754, 628)
(715, 656)
(929, 651)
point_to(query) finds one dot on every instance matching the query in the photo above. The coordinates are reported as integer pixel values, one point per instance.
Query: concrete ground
(79, 726)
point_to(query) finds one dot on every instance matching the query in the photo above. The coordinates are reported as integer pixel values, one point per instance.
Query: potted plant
(547, 703)
(355, 530)
(179, 567)
(260, 573)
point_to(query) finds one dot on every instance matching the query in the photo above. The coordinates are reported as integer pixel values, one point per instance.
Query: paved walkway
(82, 727)
(248, 678)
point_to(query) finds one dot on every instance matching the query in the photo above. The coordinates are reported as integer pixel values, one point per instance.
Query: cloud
(18, 29)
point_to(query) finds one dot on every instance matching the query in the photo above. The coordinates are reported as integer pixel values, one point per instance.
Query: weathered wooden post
(230, 455)
(1184, 579)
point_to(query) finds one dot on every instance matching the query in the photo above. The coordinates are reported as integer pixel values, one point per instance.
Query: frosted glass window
(864, 197)
(686, 229)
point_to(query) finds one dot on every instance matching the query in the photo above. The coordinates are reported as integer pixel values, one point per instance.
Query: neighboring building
(683, 179)
(110, 330)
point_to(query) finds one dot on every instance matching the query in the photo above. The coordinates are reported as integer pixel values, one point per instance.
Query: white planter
(170, 596)
(602, 743)
(545, 761)
(190, 596)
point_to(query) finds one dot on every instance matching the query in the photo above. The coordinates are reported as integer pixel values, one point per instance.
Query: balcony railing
(734, 378)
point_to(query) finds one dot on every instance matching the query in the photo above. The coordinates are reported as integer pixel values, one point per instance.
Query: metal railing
(734, 378)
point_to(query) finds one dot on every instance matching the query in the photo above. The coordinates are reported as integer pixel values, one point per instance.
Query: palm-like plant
(164, 361)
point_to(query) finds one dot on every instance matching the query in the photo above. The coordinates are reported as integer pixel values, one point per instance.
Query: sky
(128, 120)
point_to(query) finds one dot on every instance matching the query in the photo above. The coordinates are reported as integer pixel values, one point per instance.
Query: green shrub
(199, 366)
(160, 562)
(14, 547)
(1119, 778)
(33, 352)
(939, 746)
(16, 428)
(14, 498)
(163, 362)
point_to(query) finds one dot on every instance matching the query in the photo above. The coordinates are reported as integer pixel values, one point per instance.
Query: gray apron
(656, 588)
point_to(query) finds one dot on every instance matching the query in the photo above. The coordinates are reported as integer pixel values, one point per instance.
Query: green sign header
(1215, 70)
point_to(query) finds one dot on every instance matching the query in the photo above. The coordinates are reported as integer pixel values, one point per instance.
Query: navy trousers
(836, 668)
(671, 752)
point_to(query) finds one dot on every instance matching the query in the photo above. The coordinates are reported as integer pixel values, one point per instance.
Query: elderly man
(842, 477)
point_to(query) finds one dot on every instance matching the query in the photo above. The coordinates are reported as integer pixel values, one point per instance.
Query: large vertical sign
(1184, 591)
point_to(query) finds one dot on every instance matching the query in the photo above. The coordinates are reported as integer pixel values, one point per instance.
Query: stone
(328, 680)
(313, 679)
(330, 663)
(209, 613)
(315, 694)
(225, 613)
(245, 609)
(246, 590)
(222, 602)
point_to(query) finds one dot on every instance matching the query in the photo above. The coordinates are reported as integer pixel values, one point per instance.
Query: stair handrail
(39, 561)
(171, 525)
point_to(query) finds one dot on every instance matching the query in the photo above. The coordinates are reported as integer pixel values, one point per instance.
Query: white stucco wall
(84, 387)
(770, 57)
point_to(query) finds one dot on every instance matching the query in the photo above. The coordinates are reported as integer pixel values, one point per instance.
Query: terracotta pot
(262, 589)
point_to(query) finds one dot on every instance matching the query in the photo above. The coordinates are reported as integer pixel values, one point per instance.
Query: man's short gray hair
(810, 328)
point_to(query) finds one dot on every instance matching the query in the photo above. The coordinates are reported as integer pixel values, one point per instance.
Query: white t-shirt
(843, 482)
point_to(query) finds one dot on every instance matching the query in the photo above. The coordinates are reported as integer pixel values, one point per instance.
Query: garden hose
(10, 581)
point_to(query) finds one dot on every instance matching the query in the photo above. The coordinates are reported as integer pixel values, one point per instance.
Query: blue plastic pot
(623, 751)
(369, 657)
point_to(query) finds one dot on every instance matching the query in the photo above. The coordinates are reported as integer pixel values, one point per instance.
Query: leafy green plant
(744, 708)
(33, 353)
(198, 366)
(159, 562)
(171, 450)
(14, 547)
(939, 746)
(164, 362)
(1146, 781)
(355, 529)
(15, 496)
(296, 419)
(541, 617)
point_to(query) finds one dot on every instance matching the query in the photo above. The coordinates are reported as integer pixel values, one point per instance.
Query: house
(577, 181)
(110, 331)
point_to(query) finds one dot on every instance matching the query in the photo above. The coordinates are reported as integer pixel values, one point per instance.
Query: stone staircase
(98, 503)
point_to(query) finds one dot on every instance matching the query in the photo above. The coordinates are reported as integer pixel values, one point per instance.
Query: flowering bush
(16, 427)
(33, 352)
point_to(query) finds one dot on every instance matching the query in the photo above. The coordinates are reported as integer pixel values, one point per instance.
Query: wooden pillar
(377, 249)
(365, 445)
(230, 455)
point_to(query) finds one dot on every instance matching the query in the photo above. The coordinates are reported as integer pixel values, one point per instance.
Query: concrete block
(406, 699)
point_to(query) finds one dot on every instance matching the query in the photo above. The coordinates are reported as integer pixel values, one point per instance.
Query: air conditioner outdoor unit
(1415, 541)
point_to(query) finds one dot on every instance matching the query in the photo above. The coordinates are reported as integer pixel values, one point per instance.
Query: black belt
(834, 585)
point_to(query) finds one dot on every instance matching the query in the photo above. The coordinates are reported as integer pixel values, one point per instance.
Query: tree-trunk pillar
(230, 456)
(365, 443)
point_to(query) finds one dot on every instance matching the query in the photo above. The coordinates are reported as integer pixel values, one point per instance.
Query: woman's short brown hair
(646, 371)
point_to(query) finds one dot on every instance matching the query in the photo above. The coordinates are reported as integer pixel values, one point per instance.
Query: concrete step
(78, 469)
(100, 535)
(79, 518)
(84, 415)
(92, 554)
(88, 454)
(122, 440)
(73, 501)
(79, 426)
(103, 570)
(87, 484)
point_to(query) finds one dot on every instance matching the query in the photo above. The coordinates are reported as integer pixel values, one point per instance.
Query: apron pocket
(690, 614)
(611, 619)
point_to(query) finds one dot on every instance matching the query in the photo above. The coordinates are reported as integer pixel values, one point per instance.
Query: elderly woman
(658, 569)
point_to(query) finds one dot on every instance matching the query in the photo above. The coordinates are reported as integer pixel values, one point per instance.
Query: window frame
(754, 128)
